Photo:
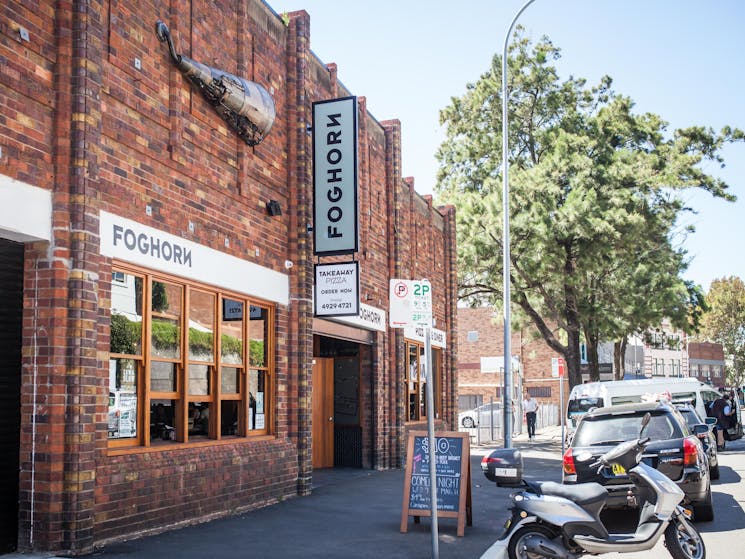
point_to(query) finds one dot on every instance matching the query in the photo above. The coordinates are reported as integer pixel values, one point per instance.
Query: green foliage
(125, 335)
(231, 345)
(256, 353)
(724, 323)
(595, 195)
(165, 334)
(200, 342)
(160, 297)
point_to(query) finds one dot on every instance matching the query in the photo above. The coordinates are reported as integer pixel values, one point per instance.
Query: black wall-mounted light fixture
(273, 208)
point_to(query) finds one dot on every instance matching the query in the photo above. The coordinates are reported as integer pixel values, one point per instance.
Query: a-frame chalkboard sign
(453, 459)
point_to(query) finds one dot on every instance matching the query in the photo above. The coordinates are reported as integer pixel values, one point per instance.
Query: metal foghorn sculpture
(245, 106)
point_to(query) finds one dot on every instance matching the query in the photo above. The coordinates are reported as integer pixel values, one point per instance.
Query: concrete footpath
(350, 513)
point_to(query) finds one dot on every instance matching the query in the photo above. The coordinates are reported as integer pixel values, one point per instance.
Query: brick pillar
(61, 382)
(396, 417)
(82, 379)
(300, 344)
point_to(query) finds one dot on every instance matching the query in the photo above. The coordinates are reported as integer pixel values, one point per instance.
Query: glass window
(194, 359)
(230, 380)
(231, 328)
(162, 376)
(258, 336)
(416, 381)
(125, 357)
(199, 380)
(165, 310)
(201, 326)
(257, 400)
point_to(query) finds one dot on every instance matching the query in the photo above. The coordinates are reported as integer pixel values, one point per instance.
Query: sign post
(557, 370)
(411, 305)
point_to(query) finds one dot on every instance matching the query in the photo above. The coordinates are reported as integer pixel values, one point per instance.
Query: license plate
(618, 470)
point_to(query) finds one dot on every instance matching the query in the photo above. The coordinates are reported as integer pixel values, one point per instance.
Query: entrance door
(323, 413)
(11, 317)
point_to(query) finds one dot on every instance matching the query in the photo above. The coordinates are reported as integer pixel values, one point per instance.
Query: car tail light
(569, 462)
(690, 452)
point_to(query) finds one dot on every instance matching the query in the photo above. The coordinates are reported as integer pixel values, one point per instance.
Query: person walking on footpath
(530, 405)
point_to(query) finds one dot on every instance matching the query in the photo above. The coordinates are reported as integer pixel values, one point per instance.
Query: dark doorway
(347, 445)
(11, 320)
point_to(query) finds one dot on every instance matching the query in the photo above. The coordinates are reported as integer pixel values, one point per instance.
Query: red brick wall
(706, 350)
(81, 120)
(535, 356)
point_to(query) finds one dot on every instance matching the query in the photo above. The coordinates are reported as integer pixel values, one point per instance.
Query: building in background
(162, 363)
(706, 363)
(481, 362)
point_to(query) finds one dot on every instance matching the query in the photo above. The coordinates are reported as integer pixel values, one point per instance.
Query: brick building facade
(481, 335)
(706, 363)
(162, 364)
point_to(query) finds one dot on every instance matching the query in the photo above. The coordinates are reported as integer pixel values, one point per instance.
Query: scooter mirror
(645, 422)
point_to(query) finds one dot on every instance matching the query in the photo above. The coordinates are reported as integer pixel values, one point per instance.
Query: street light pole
(507, 407)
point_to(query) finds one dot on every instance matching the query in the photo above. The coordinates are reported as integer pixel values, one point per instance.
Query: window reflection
(201, 326)
(258, 334)
(256, 400)
(163, 376)
(166, 327)
(122, 398)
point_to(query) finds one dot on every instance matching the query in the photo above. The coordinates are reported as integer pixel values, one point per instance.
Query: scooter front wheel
(517, 548)
(683, 541)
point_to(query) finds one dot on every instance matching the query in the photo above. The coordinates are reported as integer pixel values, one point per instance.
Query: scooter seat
(581, 493)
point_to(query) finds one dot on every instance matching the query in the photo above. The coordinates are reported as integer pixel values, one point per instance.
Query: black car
(708, 439)
(673, 450)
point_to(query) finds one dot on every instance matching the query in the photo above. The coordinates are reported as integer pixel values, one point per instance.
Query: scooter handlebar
(618, 451)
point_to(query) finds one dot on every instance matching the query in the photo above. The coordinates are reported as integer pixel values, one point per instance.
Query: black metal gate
(11, 311)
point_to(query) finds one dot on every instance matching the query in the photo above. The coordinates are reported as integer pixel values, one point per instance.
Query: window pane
(201, 326)
(258, 336)
(231, 326)
(257, 399)
(413, 382)
(166, 328)
(126, 315)
(162, 377)
(229, 380)
(229, 413)
(199, 418)
(122, 398)
(163, 420)
(199, 380)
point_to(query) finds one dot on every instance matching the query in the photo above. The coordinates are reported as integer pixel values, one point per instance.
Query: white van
(584, 397)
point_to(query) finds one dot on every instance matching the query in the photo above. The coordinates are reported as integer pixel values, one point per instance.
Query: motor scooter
(554, 521)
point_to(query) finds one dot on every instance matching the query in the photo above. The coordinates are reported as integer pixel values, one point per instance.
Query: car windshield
(612, 429)
(582, 405)
(691, 417)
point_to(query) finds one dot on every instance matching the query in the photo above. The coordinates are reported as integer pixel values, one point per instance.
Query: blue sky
(683, 60)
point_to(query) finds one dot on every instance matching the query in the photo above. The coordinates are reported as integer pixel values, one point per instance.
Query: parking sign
(410, 303)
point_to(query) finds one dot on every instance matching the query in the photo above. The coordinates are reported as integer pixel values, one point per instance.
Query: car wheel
(468, 422)
(714, 472)
(705, 511)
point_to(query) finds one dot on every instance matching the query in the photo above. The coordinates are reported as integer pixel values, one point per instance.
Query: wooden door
(323, 413)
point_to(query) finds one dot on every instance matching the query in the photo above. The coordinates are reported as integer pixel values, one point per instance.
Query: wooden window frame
(436, 373)
(143, 441)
